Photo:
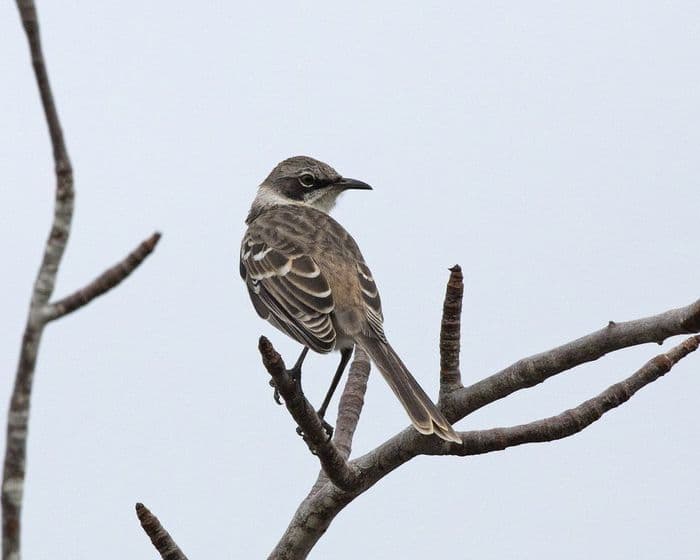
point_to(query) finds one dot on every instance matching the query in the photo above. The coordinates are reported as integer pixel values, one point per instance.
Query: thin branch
(109, 279)
(349, 409)
(531, 371)
(161, 539)
(450, 332)
(40, 312)
(351, 402)
(332, 461)
(302, 529)
(14, 464)
(576, 419)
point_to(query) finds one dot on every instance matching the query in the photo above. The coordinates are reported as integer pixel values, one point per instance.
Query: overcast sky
(550, 148)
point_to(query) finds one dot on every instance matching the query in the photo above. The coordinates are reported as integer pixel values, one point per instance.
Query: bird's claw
(276, 393)
(326, 428)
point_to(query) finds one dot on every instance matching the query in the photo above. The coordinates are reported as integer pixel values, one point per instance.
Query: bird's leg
(294, 373)
(344, 359)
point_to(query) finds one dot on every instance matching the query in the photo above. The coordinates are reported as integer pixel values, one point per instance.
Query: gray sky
(550, 149)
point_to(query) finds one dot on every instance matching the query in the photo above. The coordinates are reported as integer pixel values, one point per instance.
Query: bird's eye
(306, 180)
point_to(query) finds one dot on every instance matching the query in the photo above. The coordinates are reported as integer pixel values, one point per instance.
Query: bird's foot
(326, 427)
(275, 393)
(295, 374)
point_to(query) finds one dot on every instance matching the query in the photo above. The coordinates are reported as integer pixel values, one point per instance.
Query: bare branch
(18, 415)
(109, 279)
(450, 332)
(351, 402)
(576, 419)
(161, 539)
(315, 514)
(349, 409)
(332, 461)
(534, 370)
(317, 511)
(40, 312)
(303, 532)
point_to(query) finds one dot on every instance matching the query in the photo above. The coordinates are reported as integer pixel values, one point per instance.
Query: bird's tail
(425, 416)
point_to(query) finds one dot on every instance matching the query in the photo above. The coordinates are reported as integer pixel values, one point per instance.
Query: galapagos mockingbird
(306, 276)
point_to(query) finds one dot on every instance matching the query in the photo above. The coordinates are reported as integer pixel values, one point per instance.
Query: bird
(306, 276)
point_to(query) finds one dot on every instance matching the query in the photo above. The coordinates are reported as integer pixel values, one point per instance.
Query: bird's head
(304, 180)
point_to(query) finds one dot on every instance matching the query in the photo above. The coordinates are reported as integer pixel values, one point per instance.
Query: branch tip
(152, 241)
(109, 279)
(160, 538)
(271, 358)
(450, 333)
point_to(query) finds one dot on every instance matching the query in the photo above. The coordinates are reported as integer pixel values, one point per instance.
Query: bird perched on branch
(306, 276)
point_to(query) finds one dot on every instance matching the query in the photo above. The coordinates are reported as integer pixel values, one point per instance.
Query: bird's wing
(370, 297)
(288, 289)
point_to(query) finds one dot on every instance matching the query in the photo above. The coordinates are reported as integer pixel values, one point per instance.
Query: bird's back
(295, 229)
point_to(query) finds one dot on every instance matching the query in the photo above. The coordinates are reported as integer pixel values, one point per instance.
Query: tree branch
(576, 419)
(315, 514)
(40, 312)
(109, 279)
(317, 511)
(351, 402)
(332, 461)
(349, 409)
(450, 332)
(161, 539)
(18, 415)
(533, 370)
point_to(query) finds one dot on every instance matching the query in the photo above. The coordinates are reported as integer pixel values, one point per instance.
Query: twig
(109, 279)
(450, 331)
(40, 312)
(339, 471)
(349, 410)
(531, 371)
(576, 419)
(351, 402)
(18, 416)
(161, 539)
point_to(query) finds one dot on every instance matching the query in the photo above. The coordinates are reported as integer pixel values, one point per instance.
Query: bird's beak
(346, 184)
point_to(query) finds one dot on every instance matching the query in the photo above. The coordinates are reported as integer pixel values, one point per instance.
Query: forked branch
(109, 279)
(576, 419)
(40, 310)
(315, 436)
(315, 514)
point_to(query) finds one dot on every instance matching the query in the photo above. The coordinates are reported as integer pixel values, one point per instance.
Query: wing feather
(370, 297)
(289, 290)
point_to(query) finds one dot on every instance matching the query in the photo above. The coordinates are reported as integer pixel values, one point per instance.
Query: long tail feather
(424, 415)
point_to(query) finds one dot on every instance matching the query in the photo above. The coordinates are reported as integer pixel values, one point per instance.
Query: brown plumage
(306, 275)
